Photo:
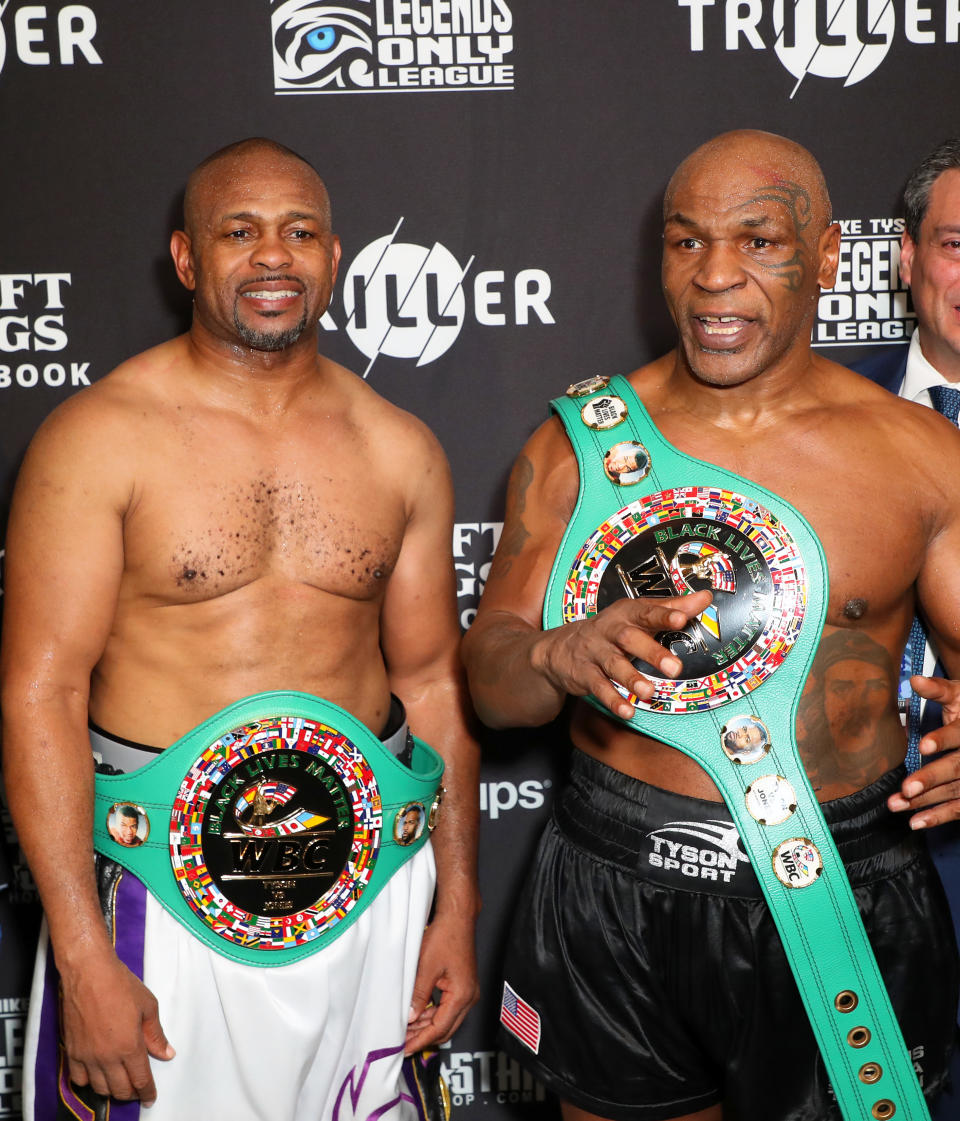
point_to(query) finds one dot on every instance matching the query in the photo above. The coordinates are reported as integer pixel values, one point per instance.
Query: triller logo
(408, 301)
(383, 46)
(39, 36)
(845, 39)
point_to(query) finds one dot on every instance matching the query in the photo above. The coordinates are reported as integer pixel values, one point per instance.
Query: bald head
(748, 155)
(250, 158)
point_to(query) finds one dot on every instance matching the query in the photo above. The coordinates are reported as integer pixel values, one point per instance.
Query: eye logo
(321, 46)
(843, 39)
(322, 39)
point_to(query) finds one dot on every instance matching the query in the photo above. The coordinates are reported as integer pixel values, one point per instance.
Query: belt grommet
(858, 1037)
(883, 1109)
(870, 1073)
(846, 1001)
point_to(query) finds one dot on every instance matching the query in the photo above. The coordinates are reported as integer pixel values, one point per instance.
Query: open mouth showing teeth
(269, 295)
(721, 324)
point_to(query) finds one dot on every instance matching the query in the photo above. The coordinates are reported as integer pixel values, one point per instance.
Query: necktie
(946, 400)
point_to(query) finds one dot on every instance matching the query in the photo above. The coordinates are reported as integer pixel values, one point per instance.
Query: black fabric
(657, 1001)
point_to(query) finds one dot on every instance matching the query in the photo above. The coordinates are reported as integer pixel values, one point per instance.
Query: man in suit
(930, 365)
(928, 372)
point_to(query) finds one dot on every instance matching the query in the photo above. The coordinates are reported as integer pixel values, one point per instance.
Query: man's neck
(763, 398)
(266, 381)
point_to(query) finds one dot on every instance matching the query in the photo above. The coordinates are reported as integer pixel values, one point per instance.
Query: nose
(272, 251)
(719, 268)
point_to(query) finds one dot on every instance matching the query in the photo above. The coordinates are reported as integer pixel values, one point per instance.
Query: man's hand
(935, 787)
(586, 657)
(448, 964)
(110, 1027)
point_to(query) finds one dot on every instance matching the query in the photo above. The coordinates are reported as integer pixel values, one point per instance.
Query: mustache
(274, 276)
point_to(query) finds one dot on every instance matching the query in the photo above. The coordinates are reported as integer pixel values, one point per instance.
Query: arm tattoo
(514, 539)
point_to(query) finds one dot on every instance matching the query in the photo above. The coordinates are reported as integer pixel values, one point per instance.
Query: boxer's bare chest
(317, 509)
(866, 508)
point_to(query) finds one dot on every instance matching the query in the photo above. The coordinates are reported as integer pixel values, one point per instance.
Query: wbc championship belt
(268, 829)
(652, 521)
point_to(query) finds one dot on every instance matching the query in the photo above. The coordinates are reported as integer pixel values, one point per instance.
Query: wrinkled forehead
(779, 180)
(253, 182)
(729, 182)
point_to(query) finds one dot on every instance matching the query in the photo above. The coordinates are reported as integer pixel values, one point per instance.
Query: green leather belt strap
(651, 520)
(268, 829)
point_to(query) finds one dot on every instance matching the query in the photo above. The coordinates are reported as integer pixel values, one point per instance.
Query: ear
(181, 250)
(335, 252)
(907, 246)
(828, 248)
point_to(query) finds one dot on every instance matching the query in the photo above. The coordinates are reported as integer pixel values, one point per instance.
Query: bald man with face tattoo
(645, 978)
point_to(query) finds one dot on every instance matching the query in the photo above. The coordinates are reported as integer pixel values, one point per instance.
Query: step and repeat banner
(496, 169)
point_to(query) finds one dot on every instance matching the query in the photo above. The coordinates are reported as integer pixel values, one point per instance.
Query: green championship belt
(652, 521)
(268, 829)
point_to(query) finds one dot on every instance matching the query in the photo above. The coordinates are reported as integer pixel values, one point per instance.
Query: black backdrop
(496, 168)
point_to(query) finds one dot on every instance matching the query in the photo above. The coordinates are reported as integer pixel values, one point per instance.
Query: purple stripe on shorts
(129, 923)
(47, 1065)
(72, 1101)
(413, 1089)
(130, 920)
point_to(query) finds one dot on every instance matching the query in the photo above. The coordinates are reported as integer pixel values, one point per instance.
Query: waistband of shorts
(625, 821)
(115, 750)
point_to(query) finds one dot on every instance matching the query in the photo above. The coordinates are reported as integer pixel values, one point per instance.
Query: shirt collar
(920, 375)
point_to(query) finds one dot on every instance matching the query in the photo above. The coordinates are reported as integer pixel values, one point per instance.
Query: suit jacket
(886, 367)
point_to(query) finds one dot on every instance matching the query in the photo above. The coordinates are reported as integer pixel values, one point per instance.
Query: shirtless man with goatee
(229, 516)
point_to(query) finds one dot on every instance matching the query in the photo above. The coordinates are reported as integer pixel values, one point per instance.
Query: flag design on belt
(279, 793)
(520, 1018)
(255, 805)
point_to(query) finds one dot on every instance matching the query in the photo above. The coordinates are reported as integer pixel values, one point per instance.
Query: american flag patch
(518, 1017)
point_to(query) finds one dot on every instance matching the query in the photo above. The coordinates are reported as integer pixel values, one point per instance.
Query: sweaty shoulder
(916, 430)
(131, 392)
(94, 435)
(416, 458)
(911, 444)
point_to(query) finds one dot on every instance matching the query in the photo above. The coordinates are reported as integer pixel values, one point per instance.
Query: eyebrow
(758, 221)
(254, 216)
(948, 228)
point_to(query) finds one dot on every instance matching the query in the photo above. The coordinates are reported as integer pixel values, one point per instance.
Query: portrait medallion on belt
(275, 832)
(684, 540)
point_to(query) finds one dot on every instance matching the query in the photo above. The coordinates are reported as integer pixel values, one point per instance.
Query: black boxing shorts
(645, 978)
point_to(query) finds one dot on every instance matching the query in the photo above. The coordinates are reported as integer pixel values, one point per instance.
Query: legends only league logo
(382, 46)
(840, 39)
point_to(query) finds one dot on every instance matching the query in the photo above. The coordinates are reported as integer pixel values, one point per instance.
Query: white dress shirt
(920, 375)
